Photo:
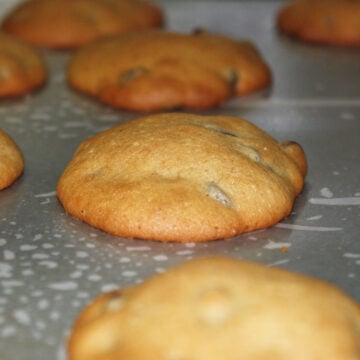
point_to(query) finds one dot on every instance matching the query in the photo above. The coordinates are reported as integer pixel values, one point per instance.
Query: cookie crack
(131, 74)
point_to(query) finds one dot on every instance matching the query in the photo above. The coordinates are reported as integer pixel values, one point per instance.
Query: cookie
(182, 177)
(11, 160)
(220, 308)
(156, 70)
(22, 68)
(332, 22)
(68, 24)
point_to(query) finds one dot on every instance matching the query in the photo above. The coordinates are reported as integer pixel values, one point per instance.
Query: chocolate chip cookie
(11, 160)
(155, 70)
(182, 177)
(22, 68)
(220, 308)
(332, 22)
(68, 24)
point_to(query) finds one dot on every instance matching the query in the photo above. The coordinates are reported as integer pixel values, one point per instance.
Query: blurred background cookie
(333, 22)
(11, 160)
(154, 70)
(22, 68)
(70, 23)
(182, 177)
(220, 308)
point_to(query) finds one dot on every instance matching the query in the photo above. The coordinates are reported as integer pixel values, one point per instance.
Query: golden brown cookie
(22, 68)
(71, 23)
(11, 161)
(157, 70)
(182, 177)
(333, 22)
(220, 308)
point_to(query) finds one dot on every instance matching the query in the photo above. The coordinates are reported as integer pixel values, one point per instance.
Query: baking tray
(51, 265)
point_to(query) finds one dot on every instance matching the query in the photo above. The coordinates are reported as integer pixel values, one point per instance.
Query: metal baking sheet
(51, 265)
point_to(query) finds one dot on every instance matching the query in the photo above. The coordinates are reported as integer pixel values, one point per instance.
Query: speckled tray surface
(51, 265)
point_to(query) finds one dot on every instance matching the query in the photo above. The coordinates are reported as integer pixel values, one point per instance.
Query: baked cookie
(157, 70)
(11, 161)
(220, 308)
(22, 68)
(333, 22)
(182, 177)
(71, 23)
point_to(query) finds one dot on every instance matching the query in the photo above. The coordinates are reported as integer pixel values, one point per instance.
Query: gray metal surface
(51, 265)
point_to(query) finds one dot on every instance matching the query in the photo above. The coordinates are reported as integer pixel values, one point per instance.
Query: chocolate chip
(132, 74)
(198, 31)
(251, 153)
(216, 193)
(232, 76)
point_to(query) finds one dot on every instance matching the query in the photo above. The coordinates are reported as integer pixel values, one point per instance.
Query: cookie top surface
(182, 177)
(332, 22)
(11, 160)
(154, 70)
(71, 23)
(22, 68)
(228, 309)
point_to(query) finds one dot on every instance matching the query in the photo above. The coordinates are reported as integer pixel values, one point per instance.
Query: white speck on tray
(138, 248)
(76, 275)
(109, 287)
(63, 286)
(39, 256)
(54, 315)
(48, 194)
(81, 254)
(5, 270)
(38, 237)
(315, 217)
(47, 245)
(22, 317)
(276, 245)
(49, 264)
(307, 228)
(184, 252)
(160, 257)
(352, 256)
(129, 273)
(43, 304)
(27, 272)
(346, 201)
(9, 255)
(280, 262)
(12, 283)
(326, 192)
(8, 331)
(94, 277)
(190, 245)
